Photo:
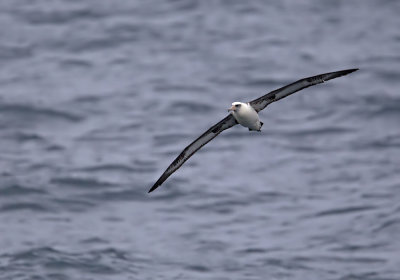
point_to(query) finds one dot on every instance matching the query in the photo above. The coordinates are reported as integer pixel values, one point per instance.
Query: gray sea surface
(97, 97)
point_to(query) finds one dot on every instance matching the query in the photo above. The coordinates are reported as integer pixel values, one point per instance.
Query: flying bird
(246, 114)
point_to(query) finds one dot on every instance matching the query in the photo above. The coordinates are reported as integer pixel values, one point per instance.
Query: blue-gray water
(98, 97)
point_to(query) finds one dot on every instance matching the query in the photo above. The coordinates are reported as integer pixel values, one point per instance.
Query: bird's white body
(246, 115)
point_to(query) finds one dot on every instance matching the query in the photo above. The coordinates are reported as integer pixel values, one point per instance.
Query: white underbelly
(248, 118)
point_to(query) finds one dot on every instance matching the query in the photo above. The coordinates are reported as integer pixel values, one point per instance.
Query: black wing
(206, 137)
(262, 102)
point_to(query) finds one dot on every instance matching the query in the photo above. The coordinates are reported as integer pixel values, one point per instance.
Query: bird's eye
(237, 105)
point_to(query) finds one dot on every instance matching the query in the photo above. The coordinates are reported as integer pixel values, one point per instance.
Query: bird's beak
(231, 109)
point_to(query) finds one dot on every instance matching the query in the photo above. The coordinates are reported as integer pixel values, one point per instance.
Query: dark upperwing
(206, 137)
(262, 102)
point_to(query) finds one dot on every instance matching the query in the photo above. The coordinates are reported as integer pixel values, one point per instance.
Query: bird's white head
(235, 106)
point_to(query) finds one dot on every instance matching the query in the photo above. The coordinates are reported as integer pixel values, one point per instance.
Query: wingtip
(156, 184)
(345, 72)
(153, 188)
(351, 70)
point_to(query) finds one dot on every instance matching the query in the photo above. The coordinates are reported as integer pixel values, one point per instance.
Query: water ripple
(29, 113)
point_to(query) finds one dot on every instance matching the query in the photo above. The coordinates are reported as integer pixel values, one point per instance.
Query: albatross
(245, 114)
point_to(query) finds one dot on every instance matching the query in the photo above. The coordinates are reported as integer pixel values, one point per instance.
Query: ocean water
(97, 98)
